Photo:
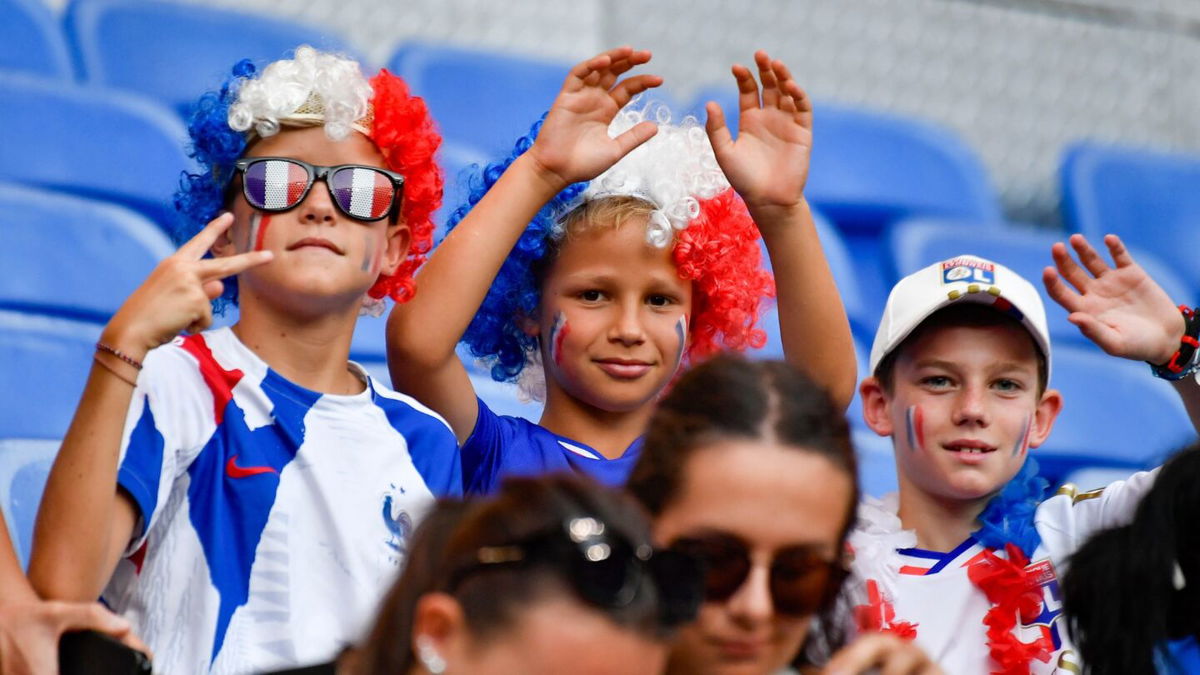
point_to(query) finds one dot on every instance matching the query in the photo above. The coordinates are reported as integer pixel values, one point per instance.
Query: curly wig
(714, 242)
(250, 105)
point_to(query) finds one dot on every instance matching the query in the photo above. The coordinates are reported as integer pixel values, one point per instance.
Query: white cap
(964, 278)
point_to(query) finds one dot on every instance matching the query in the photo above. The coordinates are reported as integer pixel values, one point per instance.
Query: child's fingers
(621, 66)
(1068, 268)
(718, 132)
(790, 87)
(787, 104)
(213, 288)
(640, 133)
(632, 86)
(580, 71)
(1088, 255)
(197, 246)
(219, 268)
(1059, 291)
(747, 88)
(1116, 248)
(770, 85)
(1104, 336)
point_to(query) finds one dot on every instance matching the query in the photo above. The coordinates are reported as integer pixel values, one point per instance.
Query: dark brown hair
(970, 314)
(450, 537)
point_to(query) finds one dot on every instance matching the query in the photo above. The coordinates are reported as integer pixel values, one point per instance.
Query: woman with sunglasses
(244, 495)
(552, 575)
(747, 467)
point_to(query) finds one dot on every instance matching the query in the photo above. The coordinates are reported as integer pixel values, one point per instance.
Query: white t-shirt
(933, 590)
(274, 517)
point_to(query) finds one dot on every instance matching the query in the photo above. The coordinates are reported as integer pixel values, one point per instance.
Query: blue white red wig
(314, 89)
(696, 212)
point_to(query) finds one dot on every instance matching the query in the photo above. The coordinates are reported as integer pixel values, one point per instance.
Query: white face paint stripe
(362, 192)
(255, 221)
(276, 181)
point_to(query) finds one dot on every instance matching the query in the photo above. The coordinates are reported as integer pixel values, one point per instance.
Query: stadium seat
(508, 93)
(31, 40)
(24, 467)
(70, 256)
(46, 362)
(919, 242)
(1151, 200)
(876, 463)
(871, 168)
(1115, 414)
(174, 51)
(501, 397)
(92, 142)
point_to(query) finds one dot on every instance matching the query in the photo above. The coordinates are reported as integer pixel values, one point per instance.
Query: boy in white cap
(965, 558)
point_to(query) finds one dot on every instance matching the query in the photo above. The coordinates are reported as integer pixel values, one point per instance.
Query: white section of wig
(674, 170)
(265, 103)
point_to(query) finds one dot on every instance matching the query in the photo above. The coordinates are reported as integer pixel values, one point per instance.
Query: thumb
(718, 132)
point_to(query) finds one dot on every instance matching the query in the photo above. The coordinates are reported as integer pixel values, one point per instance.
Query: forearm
(458, 275)
(14, 587)
(74, 551)
(1189, 392)
(812, 321)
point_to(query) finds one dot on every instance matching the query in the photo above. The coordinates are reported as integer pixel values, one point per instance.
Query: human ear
(1047, 411)
(529, 325)
(438, 622)
(399, 238)
(876, 406)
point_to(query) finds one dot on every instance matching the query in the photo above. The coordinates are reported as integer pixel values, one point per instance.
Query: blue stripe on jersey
(431, 444)
(233, 484)
(142, 467)
(942, 558)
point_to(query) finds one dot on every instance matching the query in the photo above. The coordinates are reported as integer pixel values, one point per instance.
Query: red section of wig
(719, 252)
(405, 134)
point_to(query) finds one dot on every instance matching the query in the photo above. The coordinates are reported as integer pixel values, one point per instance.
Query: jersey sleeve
(483, 451)
(169, 418)
(1071, 517)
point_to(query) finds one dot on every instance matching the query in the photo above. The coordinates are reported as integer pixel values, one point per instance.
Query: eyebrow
(996, 367)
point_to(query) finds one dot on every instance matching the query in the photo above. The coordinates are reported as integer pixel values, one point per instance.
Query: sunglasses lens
(362, 192)
(680, 584)
(275, 184)
(801, 581)
(724, 561)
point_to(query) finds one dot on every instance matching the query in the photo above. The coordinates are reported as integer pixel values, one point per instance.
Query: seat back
(24, 466)
(31, 40)
(92, 142)
(1151, 200)
(70, 256)
(175, 51)
(46, 362)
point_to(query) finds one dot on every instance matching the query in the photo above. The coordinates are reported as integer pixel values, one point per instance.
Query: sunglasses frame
(315, 173)
(836, 570)
(583, 541)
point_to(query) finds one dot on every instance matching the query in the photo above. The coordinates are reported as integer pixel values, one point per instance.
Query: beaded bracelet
(119, 354)
(1184, 361)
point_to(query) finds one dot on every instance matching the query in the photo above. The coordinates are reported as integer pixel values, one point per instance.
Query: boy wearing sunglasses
(965, 560)
(243, 495)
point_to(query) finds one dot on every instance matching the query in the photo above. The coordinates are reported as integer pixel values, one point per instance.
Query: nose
(317, 207)
(627, 327)
(970, 408)
(751, 604)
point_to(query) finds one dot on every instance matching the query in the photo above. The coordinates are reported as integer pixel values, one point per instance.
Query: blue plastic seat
(876, 463)
(24, 466)
(31, 40)
(70, 256)
(871, 168)
(46, 362)
(175, 51)
(507, 94)
(501, 397)
(92, 142)
(1151, 200)
(916, 243)
(1115, 414)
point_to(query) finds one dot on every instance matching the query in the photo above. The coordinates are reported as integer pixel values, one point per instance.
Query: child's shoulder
(399, 406)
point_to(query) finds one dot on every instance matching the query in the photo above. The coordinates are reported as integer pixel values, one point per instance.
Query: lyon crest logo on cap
(968, 270)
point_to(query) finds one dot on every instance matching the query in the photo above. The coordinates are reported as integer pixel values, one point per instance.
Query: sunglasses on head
(362, 192)
(802, 581)
(603, 567)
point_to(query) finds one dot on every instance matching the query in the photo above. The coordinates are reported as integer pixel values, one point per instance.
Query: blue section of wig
(1008, 517)
(201, 196)
(495, 333)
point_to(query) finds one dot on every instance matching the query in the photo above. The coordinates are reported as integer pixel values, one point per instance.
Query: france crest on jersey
(273, 518)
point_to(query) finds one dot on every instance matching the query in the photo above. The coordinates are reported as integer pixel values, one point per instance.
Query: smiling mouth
(623, 369)
(315, 242)
(969, 448)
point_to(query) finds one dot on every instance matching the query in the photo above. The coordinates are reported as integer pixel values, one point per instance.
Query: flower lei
(1013, 590)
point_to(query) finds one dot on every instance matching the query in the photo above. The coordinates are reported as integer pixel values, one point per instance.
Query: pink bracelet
(119, 354)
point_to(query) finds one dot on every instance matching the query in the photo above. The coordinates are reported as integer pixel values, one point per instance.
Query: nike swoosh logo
(235, 471)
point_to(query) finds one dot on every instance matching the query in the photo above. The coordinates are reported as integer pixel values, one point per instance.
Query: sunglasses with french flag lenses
(280, 183)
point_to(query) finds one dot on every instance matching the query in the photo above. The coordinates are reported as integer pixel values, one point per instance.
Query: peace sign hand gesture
(177, 295)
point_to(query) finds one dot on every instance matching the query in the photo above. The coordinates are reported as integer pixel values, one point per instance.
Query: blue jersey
(273, 518)
(502, 446)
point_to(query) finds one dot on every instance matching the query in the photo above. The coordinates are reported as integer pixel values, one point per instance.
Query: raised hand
(1119, 308)
(177, 295)
(768, 163)
(573, 144)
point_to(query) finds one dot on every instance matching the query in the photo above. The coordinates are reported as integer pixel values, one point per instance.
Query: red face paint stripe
(263, 221)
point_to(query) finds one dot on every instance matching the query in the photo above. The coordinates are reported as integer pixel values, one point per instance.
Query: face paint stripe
(681, 328)
(916, 434)
(558, 332)
(1023, 441)
(919, 425)
(368, 251)
(263, 221)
